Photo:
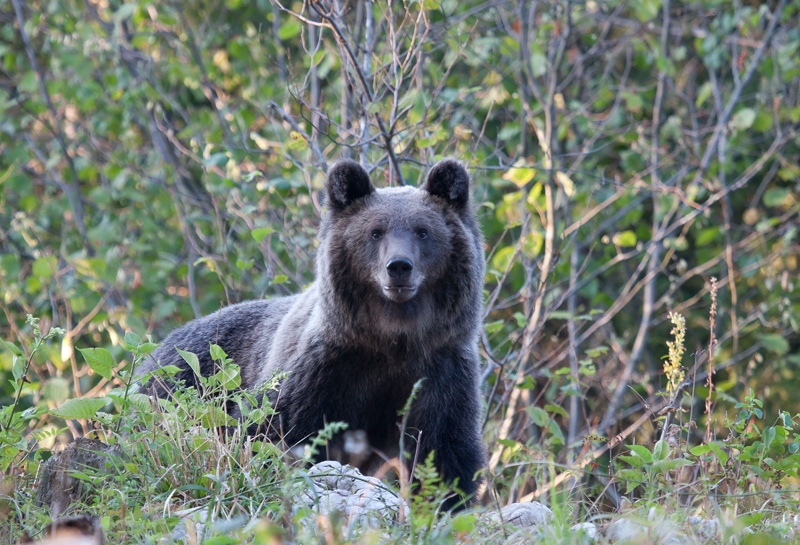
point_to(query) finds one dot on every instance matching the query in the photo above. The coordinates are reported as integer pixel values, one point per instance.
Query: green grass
(185, 469)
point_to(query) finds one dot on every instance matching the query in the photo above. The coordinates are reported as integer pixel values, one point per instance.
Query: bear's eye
(377, 234)
(422, 233)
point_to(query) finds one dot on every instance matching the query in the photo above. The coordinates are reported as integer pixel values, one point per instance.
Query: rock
(57, 489)
(364, 501)
(629, 530)
(623, 530)
(705, 528)
(589, 529)
(521, 515)
(191, 527)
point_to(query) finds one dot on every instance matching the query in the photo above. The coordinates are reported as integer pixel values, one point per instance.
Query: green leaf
(555, 409)
(80, 409)
(17, 367)
(244, 264)
(297, 142)
(751, 519)
(539, 415)
(646, 10)
(661, 451)
(642, 452)
(229, 377)
(633, 101)
(703, 94)
(519, 175)
(502, 258)
(148, 348)
(763, 122)
(44, 266)
(13, 348)
(557, 436)
(56, 389)
(493, 327)
(777, 197)
(250, 176)
(191, 359)
(217, 159)
(217, 353)
(635, 461)
(464, 523)
(667, 465)
(290, 29)
(538, 63)
(743, 119)
(215, 416)
(132, 339)
(707, 235)
(259, 234)
(100, 361)
(625, 239)
(631, 477)
(713, 448)
(165, 371)
(769, 437)
(775, 343)
(93, 268)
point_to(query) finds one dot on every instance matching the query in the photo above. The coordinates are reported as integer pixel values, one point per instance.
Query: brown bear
(397, 298)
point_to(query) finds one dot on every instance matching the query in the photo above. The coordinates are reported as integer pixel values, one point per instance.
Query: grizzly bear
(397, 298)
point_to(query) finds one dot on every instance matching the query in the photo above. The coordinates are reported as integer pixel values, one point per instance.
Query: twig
(313, 145)
(331, 23)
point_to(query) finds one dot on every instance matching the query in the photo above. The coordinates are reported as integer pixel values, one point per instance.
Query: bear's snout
(401, 281)
(399, 268)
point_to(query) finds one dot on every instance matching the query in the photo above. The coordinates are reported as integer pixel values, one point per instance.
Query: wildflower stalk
(711, 342)
(672, 366)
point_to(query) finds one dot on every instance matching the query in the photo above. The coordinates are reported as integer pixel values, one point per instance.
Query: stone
(630, 530)
(589, 529)
(522, 515)
(364, 501)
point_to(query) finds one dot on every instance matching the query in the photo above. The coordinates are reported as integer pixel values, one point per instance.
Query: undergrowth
(184, 471)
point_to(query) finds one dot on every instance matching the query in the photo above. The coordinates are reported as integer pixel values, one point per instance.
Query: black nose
(399, 268)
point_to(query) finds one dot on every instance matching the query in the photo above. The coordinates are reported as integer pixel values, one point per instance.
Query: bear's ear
(449, 180)
(347, 182)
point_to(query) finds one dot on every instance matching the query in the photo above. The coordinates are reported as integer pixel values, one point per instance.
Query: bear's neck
(357, 316)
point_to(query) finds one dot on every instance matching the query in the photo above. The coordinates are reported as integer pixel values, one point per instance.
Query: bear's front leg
(448, 415)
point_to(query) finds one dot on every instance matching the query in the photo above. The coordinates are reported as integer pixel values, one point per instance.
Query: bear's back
(245, 332)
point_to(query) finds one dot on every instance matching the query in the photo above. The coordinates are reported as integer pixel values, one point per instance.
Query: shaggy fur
(397, 298)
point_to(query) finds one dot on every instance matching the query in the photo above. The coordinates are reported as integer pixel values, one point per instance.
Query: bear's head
(401, 257)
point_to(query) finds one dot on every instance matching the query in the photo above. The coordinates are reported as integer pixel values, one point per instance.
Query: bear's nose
(399, 268)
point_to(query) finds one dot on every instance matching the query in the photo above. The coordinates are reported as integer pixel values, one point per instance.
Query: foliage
(158, 160)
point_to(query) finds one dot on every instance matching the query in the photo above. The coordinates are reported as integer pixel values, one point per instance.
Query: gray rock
(521, 515)
(364, 501)
(630, 530)
(706, 528)
(589, 529)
